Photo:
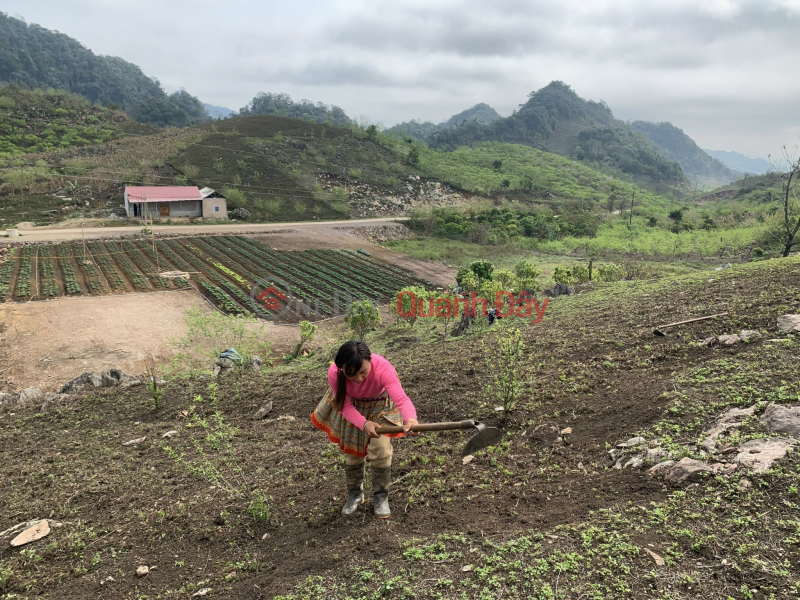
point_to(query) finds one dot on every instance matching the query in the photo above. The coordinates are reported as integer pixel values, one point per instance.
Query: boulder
(263, 411)
(5, 398)
(632, 443)
(783, 419)
(686, 469)
(30, 394)
(82, 381)
(730, 419)
(255, 363)
(728, 340)
(789, 323)
(559, 289)
(660, 469)
(761, 453)
(656, 454)
(750, 335)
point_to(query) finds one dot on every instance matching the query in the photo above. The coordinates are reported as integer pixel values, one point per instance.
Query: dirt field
(542, 515)
(44, 344)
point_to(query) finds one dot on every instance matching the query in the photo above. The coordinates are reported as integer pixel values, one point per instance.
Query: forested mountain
(34, 57)
(480, 113)
(556, 119)
(740, 162)
(672, 143)
(282, 105)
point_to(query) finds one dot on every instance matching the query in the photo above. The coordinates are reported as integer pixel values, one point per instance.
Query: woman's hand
(369, 429)
(408, 425)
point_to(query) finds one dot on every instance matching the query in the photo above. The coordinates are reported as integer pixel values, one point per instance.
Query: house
(174, 202)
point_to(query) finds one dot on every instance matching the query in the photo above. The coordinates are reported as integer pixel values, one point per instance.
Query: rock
(566, 431)
(686, 469)
(559, 289)
(660, 468)
(783, 419)
(498, 409)
(6, 398)
(255, 363)
(82, 381)
(658, 560)
(142, 571)
(760, 454)
(170, 433)
(116, 377)
(33, 533)
(729, 340)
(655, 454)
(789, 323)
(730, 419)
(30, 394)
(467, 568)
(135, 442)
(634, 463)
(286, 418)
(263, 411)
(201, 592)
(50, 398)
(744, 483)
(632, 443)
(225, 363)
(614, 453)
(467, 459)
(750, 335)
(709, 342)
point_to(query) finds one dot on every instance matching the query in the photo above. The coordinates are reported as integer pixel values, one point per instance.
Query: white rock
(729, 340)
(142, 571)
(201, 592)
(783, 419)
(761, 453)
(686, 468)
(750, 335)
(169, 434)
(634, 463)
(660, 468)
(467, 459)
(789, 323)
(134, 442)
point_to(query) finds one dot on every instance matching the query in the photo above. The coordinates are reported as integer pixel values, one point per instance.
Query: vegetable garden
(223, 269)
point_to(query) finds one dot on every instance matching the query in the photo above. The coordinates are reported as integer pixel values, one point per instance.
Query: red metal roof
(162, 193)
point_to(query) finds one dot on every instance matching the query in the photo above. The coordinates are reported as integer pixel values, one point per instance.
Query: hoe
(486, 436)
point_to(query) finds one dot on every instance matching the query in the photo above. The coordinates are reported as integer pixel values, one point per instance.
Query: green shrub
(609, 272)
(236, 198)
(362, 317)
(563, 275)
(580, 273)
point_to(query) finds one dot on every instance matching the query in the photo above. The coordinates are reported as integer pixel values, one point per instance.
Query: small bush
(563, 275)
(363, 317)
(580, 273)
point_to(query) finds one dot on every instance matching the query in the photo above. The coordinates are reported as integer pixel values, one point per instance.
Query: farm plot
(224, 269)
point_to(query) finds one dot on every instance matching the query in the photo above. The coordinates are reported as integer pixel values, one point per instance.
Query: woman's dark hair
(349, 359)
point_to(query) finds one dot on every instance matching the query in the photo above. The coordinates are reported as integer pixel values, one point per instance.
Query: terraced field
(224, 269)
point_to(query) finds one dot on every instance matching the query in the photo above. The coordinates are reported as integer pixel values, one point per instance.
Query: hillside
(35, 57)
(37, 121)
(556, 119)
(672, 143)
(282, 105)
(208, 497)
(282, 169)
(740, 162)
(482, 114)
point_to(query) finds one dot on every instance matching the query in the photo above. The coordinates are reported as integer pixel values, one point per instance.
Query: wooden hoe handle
(428, 427)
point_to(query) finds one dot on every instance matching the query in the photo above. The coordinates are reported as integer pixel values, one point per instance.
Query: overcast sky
(722, 70)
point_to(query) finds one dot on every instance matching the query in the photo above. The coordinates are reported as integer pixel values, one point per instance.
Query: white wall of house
(180, 209)
(215, 208)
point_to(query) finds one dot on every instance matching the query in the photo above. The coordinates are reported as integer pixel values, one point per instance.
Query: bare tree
(789, 169)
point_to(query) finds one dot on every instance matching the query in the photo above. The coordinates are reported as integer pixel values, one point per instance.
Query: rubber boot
(355, 488)
(380, 486)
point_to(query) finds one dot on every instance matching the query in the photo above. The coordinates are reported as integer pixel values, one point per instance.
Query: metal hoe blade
(486, 436)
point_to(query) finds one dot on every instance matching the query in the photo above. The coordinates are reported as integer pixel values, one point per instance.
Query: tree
(363, 316)
(307, 331)
(786, 232)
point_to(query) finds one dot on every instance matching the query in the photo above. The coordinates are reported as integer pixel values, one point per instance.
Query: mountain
(34, 57)
(557, 120)
(282, 105)
(740, 162)
(672, 143)
(482, 114)
(218, 112)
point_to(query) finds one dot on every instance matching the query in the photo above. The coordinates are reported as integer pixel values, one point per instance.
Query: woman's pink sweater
(382, 376)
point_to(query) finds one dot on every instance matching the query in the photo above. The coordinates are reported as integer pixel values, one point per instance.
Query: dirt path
(44, 234)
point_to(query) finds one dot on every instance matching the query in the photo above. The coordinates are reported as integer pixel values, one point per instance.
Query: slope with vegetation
(282, 105)
(233, 504)
(35, 57)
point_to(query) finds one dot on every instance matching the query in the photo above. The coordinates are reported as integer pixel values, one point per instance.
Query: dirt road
(45, 234)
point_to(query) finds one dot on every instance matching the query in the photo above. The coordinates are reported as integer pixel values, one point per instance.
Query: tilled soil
(257, 514)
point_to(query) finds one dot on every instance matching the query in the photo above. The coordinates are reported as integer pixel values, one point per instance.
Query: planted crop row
(225, 302)
(145, 267)
(49, 284)
(90, 271)
(6, 271)
(107, 266)
(135, 276)
(70, 279)
(23, 287)
(354, 280)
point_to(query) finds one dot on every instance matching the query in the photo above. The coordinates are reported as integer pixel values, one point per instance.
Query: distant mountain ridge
(218, 112)
(481, 113)
(34, 57)
(740, 162)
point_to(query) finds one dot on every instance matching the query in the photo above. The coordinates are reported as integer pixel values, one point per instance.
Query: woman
(364, 393)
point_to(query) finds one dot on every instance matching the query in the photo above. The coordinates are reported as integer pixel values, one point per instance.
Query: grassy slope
(533, 518)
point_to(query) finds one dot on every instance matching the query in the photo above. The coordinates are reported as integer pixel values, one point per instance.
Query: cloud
(722, 70)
